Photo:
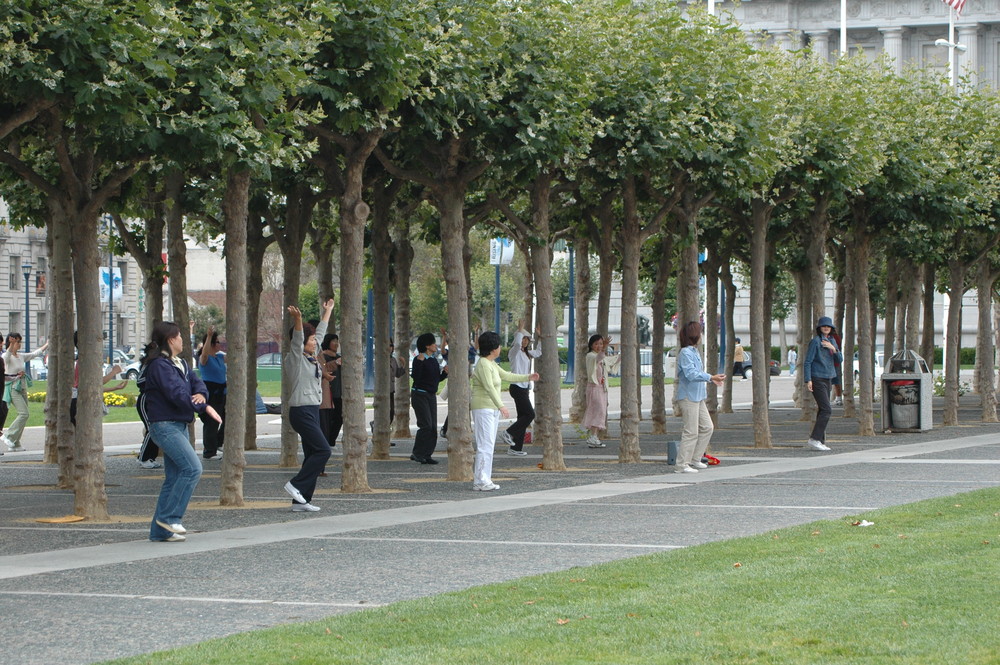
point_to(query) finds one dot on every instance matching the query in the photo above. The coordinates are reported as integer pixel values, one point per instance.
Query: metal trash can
(907, 389)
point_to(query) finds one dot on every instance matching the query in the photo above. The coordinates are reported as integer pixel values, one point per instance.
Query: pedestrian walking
(331, 408)
(818, 371)
(697, 426)
(487, 407)
(306, 379)
(520, 355)
(212, 366)
(793, 357)
(599, 365)
(739, 357)
(16, 383)
(427, 374)
(174, 393)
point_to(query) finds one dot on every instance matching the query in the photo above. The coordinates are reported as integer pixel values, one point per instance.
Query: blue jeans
(182, 469)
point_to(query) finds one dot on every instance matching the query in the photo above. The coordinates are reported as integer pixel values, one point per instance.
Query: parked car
(39, 371)
(669, 362)
(877, 369)
(774, 367)
(130, 371)
(269, 360)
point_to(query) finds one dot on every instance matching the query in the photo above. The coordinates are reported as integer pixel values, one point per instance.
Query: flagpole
(951, 49)
(843, 27)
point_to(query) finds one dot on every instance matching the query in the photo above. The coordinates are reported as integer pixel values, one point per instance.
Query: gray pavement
(85, 592)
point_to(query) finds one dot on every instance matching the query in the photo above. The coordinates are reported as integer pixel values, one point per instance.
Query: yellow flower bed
(110, 399)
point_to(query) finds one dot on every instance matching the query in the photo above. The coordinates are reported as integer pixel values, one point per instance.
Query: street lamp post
(26, 270)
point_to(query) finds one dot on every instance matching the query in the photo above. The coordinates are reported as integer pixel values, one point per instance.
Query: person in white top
(520, 355)
(16, 387)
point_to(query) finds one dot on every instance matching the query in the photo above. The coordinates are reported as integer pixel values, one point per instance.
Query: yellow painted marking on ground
(374, 491)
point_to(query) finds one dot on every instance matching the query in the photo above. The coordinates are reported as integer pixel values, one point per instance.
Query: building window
(15, 322)
(15, 272)
(42, 331)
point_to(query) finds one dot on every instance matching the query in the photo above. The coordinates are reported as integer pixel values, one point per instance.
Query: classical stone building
(904, 30)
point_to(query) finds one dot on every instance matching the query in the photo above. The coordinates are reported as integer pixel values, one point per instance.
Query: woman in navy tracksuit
(173, 394)
(819, 369)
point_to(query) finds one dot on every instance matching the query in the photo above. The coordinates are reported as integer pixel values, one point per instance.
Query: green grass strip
(918, 587)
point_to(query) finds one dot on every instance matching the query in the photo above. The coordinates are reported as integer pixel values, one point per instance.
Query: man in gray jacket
(306, 377)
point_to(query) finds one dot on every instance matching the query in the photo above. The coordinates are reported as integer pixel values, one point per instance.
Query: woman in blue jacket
(692, 378)
(818, 371)
(173, 394)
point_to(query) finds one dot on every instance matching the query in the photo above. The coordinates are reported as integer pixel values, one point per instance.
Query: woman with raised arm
(306, 378)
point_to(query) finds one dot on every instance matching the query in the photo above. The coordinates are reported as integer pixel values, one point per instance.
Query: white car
(130, 371)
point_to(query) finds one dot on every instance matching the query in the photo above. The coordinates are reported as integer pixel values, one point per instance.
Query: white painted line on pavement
(183, 599)
(529, 543)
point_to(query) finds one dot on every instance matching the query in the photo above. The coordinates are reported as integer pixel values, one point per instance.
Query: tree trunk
(257, 244)
(353, 217)
(985, 279)
(711, 267)
(862, 244)
(658, 328)
(606, 275)
(403, 255)
(291, 237)
(927, 334)
(60, 358)
(913, 309)
(631, 241)
(234, 209)
(891, 302)
(91, 500)
(548, 389)
(381, 249)
(956, 288)
(450, 202)
(730, 286)
(850, 318)
(582, 332)
(760, 217)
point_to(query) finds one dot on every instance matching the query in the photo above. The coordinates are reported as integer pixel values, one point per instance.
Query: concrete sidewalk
(83, 592)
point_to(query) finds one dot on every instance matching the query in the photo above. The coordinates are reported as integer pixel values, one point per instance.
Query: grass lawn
(917, 588)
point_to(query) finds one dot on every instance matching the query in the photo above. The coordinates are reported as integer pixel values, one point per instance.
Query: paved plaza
(84, 592)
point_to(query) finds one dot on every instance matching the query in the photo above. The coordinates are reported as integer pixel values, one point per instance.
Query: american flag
(957, 5)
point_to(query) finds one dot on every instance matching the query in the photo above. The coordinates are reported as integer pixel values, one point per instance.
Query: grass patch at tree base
(918, 587)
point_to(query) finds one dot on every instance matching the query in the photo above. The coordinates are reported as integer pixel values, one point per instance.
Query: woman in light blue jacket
(691, 394)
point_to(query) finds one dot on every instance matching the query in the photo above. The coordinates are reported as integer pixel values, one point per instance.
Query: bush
(966, 356)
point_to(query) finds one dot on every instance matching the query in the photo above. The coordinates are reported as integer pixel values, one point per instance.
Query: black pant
(148, 451)
(821, 393)
(4, 409)
(214, 432)
(305, 421)
(425, 407)
(525, 414)
(332, 420)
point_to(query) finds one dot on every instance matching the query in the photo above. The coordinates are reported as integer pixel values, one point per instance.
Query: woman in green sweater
(487, 407)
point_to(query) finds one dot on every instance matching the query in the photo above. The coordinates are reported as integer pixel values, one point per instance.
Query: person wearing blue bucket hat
(818, 372)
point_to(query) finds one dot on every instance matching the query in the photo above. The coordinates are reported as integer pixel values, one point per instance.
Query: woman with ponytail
(173, 394)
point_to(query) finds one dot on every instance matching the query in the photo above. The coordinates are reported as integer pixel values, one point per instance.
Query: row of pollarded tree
(636, 132)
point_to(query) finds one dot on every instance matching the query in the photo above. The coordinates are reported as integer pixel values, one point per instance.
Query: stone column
(819, 41)
(783, 39)
(968, 60)
(892, 46)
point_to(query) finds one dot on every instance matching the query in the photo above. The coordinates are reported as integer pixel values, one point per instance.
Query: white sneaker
(505, 437)
(150, 464)
(175, 538)
(816, 445)
(684, 468)
(699, 465)
(176, 527)
(294, 493)
(516, 453)
(488, 487)
(304, 508)
(596, 443)
(840, 401)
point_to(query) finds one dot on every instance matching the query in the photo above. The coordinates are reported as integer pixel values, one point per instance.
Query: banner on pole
(501, 251)
(111, 283)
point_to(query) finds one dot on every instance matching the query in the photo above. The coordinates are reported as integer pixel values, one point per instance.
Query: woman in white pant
(691, 394)
(16, 387)
(487, 407)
